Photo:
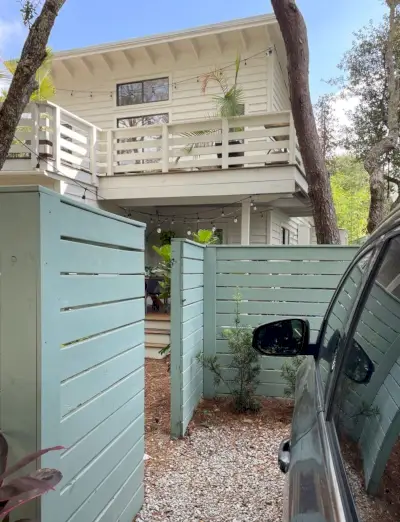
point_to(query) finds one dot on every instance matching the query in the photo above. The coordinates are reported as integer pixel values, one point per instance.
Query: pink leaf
(27, 460)
(29, 487)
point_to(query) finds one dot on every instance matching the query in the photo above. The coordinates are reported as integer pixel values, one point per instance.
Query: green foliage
(244, 369)
(205, 237)
(289, 372)
(163, 269)
(351, 196)
(167, 236)
(230, 102)
(46, 88)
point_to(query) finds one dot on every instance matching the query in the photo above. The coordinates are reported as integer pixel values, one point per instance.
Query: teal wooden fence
(72, 350)
(187, 320)
(275, 282)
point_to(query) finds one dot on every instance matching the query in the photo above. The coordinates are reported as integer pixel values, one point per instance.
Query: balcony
(59, 144)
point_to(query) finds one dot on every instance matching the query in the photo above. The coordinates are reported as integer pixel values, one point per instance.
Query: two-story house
(132, 129)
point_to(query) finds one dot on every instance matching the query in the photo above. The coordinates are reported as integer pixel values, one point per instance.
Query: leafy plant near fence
(17, 491)
(203, 237)
(245, 366)
(289, 372)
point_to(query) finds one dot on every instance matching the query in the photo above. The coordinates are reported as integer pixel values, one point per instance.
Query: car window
(366, 403)
(338, 316)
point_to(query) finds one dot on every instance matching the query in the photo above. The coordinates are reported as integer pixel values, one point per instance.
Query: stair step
(156, 331)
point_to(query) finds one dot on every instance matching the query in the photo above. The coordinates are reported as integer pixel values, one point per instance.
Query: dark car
(346, 418)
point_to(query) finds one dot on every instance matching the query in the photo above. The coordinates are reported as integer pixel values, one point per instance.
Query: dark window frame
(285, 235)
(142, 82)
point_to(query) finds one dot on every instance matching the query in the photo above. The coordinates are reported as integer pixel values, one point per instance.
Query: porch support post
(245, 230)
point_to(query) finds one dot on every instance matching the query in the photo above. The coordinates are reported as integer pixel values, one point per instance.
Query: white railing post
(292, 141)
(225, 143)
(34, 146)
(110, 153)
(93, 155)
(57, 137)
(165, 148)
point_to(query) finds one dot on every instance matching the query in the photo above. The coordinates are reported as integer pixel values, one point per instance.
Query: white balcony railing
(57, 140)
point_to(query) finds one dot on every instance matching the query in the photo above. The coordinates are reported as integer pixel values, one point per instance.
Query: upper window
(146, 91)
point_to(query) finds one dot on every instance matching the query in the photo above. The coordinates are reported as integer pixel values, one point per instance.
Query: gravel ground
(226, 470)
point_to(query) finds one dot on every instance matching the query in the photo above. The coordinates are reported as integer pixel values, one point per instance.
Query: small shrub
(289, 372)
(19, 490)
(245, 365)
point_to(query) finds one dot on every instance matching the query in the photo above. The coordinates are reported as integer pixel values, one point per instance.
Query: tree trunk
(294, 32)
(24, 83)
(377, 155)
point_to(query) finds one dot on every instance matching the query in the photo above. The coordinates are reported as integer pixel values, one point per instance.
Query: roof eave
(243, 23)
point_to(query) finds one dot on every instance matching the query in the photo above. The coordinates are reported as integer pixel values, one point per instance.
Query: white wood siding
(186, 100)
(279, 220)
(280, 98)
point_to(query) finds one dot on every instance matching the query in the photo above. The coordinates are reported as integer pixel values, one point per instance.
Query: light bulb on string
(189, 232)
(151, 220)
(251, 203)
(235, 219)
(223, 213)
(159, 229)
(254, 208)
(173, 221)
(213, 227)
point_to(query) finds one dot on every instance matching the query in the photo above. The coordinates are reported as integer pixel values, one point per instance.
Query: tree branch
(376, 157)
(24, 80)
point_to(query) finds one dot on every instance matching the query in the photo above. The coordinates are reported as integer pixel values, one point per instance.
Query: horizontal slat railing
(66, 144)
(57, 141)
(215, 143)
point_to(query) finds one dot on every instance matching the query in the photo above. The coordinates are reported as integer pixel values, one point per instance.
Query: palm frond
(46, 87)
(237, 68)
(217, 76)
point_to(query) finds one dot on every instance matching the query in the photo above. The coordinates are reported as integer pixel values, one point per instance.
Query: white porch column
(245, 230)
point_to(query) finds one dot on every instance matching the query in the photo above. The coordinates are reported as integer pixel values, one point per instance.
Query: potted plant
(228, 104)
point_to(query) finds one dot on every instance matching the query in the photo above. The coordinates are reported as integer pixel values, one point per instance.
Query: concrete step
(157, 336)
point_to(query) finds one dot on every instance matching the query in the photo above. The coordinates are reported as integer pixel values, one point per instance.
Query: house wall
(278, 220)
(186, 100)
(280, 97)
(231, 231)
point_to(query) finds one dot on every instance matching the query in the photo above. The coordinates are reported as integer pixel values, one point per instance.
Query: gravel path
(226, 470)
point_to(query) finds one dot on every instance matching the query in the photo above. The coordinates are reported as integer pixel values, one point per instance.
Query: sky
(88, 22)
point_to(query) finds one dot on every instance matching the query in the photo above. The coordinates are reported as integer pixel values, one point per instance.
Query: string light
(151, 220)
(38, 163)
(213, 227)
(174, 85)
(252, 203)
(254, 208)
(173, 221)
(235, 219)
(189, 232)
(223, 213)
(84, 194)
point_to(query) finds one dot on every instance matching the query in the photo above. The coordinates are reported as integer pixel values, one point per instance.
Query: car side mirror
(286, 338)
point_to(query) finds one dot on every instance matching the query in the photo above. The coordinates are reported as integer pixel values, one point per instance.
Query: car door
(309, 484)
(362, 415)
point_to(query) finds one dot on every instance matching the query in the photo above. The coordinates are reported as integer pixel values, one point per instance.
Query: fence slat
(92, 259)
(87, 225)
(285, 267)
(84, 322)
(91, 289)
